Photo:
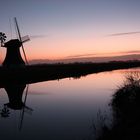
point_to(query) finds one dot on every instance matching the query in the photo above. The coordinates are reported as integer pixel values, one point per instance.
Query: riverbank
(124, 104)
(44, 72)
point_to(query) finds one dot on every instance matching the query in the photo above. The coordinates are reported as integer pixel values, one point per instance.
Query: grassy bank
(126, 114)
(44, 72)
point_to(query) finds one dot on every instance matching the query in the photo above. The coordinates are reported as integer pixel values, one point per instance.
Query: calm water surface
(60, 109)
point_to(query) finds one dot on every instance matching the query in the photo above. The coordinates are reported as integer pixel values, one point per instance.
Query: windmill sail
(25, 39)
(19, 35)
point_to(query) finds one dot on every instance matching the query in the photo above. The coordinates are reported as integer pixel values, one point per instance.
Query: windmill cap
(13, 43)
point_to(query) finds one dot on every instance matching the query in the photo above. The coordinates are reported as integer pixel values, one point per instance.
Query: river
(60, 109)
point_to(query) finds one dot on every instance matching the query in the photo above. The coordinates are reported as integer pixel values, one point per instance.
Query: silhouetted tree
(2, 38)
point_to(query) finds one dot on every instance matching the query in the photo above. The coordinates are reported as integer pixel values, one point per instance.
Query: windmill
(13, 56)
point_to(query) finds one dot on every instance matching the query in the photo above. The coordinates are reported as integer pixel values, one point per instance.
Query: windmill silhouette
(16, 102)
(13, 56)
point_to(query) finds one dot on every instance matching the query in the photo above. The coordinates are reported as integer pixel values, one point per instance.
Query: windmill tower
(13, 56)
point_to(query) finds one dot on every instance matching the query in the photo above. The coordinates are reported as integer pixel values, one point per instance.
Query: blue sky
(65, 14)
(70, 20)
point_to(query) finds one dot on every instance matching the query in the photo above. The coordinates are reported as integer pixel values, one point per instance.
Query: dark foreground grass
(125, 105)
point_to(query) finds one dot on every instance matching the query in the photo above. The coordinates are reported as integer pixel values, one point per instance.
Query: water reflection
(16, 101)
(15, 93)
(63, 109)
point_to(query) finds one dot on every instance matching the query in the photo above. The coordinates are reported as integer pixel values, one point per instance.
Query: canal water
(65, 109)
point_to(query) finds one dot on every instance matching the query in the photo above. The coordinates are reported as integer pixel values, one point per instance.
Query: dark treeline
(44, 72)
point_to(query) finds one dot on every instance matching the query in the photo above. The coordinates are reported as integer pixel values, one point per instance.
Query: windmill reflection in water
(16, 102)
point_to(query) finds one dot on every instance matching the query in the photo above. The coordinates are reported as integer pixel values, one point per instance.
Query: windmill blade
(25, 39)
(124, 33)
(23, 110)
(20, 39)
(38, 36)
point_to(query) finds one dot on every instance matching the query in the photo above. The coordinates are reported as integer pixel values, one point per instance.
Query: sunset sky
(70, 28)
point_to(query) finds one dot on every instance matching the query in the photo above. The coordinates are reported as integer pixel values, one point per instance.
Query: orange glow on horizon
(62, 47)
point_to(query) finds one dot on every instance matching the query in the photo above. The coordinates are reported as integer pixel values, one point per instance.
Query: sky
(67, 28)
